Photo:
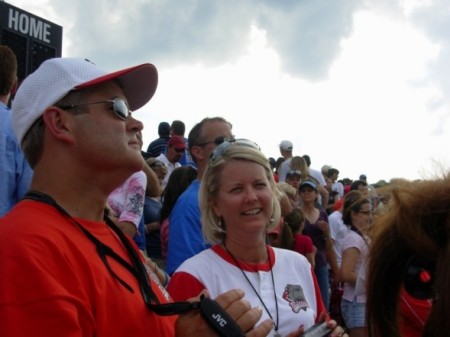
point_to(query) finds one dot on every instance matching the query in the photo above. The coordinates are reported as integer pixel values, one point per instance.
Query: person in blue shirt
(185, 229)
(158, 146)
(15, 173)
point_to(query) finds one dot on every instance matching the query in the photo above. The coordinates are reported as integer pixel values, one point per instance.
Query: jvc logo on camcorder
(222, 322)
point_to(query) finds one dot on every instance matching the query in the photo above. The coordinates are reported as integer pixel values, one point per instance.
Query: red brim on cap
(138, 83)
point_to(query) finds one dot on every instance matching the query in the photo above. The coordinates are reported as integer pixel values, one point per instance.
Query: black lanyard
(215, 316)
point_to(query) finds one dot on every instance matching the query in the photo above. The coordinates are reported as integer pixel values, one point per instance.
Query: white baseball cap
(286, 145)
(56, 77)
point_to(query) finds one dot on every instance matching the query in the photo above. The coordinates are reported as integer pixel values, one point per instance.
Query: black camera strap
(214, 314)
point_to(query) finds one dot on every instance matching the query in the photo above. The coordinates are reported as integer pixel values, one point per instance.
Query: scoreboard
(33, 39)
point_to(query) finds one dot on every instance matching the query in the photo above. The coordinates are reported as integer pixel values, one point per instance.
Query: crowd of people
(100, 237)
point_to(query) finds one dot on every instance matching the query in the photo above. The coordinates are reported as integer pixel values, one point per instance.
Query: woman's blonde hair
(212, 229)
(299, 164)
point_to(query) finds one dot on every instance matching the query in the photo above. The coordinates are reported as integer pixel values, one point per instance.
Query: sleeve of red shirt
(183, 286)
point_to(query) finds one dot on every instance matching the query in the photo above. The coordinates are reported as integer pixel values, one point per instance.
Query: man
(66, 269)
(158, 146)
(174, 151)
(185, 229)
(178, 128)
(286, 148)
(15, 173)
(337, 186)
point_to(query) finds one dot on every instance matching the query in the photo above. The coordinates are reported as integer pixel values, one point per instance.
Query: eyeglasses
(224, 146)
(217, 141)
(179, 150)
(120, 108)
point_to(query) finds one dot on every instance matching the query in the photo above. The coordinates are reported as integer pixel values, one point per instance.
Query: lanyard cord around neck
(251, 285)
(137, 268)
(209, 309)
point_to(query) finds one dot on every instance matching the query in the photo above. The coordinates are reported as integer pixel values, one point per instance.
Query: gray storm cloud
(306, 34)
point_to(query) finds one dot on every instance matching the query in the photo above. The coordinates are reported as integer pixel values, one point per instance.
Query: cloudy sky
(363, 86)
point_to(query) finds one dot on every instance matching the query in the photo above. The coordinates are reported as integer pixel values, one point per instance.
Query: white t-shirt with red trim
(297, 294)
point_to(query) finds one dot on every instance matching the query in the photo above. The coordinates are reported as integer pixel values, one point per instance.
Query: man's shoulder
(286, 162)
(27, 219)
(158, 142)
(6, 121)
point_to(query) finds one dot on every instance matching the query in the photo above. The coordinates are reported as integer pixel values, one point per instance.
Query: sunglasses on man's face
(217, 141)
(119, 106)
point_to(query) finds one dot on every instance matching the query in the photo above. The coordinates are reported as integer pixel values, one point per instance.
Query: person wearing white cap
(66, 269)
(286, 148)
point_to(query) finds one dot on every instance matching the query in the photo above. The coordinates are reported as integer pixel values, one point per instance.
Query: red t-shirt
(53, 282)
(303, 244)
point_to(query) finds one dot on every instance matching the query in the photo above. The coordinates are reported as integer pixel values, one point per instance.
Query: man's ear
(197, 152)
(59, 123)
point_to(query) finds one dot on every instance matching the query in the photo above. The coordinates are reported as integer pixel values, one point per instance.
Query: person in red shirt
(66, 269)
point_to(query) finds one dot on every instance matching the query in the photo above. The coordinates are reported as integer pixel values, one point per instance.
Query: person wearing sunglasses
(175, 149)
(357, 215)
(185, 230)
(66, 269)
(239, 203)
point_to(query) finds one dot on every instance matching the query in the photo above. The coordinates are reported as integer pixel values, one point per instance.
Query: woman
(239, 203)
(300, 165)
(357, 215)
(316, 227)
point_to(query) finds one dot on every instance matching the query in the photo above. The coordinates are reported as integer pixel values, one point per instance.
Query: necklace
(277, 333)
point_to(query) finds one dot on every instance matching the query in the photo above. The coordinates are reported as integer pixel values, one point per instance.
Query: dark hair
(307, 159)
(178, 182)
(332, 171)
(195, 136)
(8, 70)
(293, 222)
(279, 161)
(178, 128)
(355, 185)
(164, 129)
(417, 224)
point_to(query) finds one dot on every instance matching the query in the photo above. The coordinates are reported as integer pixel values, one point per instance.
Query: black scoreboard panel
(33, 39)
